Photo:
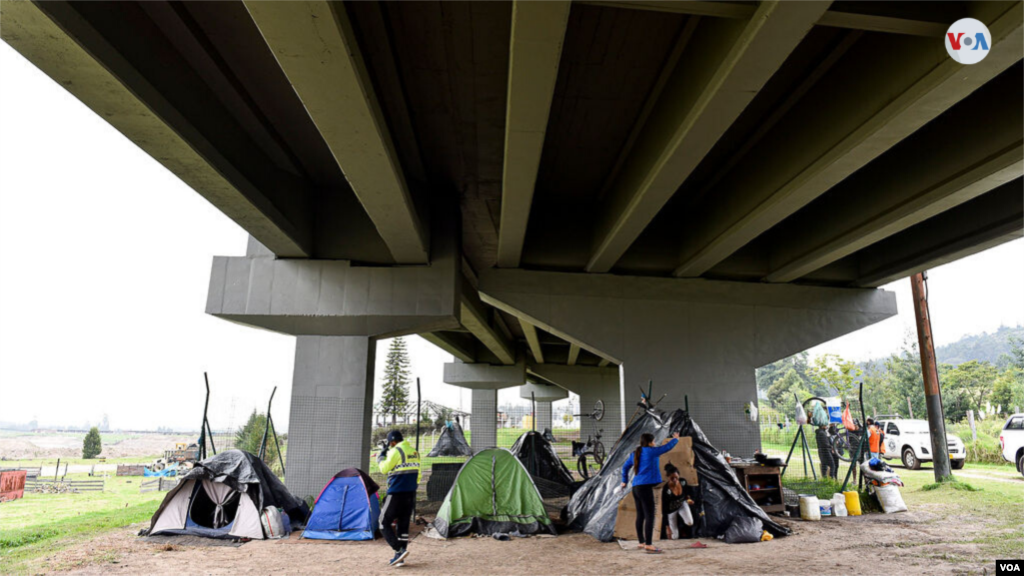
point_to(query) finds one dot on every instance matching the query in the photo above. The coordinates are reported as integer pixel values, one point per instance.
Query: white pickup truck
(909, 441)
(1011, 441)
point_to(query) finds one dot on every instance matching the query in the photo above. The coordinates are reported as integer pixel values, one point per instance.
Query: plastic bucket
(809, 507)
(826, 507)
(852, 503)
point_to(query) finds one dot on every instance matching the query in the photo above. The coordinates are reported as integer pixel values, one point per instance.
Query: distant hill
(985, 347)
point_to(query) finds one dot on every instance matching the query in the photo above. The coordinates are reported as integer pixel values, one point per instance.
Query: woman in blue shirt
(645, 462)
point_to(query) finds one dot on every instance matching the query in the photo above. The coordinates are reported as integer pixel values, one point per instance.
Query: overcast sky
(104, 267)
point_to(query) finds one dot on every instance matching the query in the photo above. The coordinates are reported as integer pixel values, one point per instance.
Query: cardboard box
(681, 456)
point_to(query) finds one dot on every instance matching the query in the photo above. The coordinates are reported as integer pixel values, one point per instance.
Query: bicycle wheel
(599, 453)
(592, 465)
(841, 448)
(581, 466)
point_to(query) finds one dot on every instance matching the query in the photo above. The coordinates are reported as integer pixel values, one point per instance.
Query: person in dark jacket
(646, 465)
(676, 500)
(825, 453)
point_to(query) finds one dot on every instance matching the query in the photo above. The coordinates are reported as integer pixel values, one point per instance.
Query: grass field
(41, 524)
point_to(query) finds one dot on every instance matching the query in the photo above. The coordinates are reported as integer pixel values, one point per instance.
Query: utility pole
(932, 394)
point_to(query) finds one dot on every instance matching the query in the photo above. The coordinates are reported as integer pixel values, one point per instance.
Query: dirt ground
(70, 446)
(905, 544)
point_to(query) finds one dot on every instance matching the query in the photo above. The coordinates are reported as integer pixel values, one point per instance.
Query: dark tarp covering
(451, 442)
(540, 460)
(594, 506)
(246, 473)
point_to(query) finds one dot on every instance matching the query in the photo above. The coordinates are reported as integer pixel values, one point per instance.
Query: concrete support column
(543, 416)
(331, 410)
(485, 420)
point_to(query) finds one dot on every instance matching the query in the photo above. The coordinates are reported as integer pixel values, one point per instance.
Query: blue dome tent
(346, 509)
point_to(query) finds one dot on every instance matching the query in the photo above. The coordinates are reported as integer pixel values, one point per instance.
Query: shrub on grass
(92, 445)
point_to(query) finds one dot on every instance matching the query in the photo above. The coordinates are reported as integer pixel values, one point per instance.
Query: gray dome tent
(222, 497)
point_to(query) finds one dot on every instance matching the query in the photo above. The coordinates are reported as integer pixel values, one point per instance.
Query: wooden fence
(130, 469)
(61, 486)
(161, 484)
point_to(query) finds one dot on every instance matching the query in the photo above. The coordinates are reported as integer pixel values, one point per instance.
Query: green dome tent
(492, 493)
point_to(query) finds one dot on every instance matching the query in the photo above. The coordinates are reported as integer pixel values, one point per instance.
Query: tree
(395, 398)
(567, 419)
(832, 375)
(1016, 356)
(772, 373)
(249, 437)
(967, 387)
(781, 393)
(903, 379)
(92, 445)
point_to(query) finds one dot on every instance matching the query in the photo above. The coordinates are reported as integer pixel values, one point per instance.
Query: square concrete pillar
(485, 420)
(332, 401)
(543, 416)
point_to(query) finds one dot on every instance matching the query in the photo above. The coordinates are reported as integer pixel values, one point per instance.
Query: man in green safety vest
(401, 463)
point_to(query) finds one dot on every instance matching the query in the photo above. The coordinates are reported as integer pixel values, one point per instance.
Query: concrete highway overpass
(583, 194)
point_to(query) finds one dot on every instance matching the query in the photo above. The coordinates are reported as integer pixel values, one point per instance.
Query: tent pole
(266, 427)
(280, 458)
(202, 428)
(790, 455)
(810, 458)
(419, 412)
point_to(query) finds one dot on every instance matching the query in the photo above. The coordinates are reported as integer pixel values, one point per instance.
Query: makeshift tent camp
(346, 509)
(492, 493)
(451, 442)
(594, 506)
(222, 497)
(540, 460)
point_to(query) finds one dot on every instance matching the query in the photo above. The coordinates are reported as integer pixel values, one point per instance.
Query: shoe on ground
(399, 558)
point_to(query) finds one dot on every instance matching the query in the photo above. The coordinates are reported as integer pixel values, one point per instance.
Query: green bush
(984, 450)
(408, 432)
(92, 446)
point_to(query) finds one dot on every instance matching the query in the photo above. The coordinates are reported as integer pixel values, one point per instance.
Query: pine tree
(249, 437)
(395, 398)
(92, 445)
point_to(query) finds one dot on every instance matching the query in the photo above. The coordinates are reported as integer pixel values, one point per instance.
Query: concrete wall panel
(694, 338)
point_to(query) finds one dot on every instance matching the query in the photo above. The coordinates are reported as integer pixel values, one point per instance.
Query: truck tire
(957, 464)
(910, 459)
(1020, 463)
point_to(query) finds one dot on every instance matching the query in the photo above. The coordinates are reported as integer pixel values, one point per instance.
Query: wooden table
(768, 482)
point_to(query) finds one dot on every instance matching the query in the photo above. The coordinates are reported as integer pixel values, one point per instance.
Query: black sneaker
(399, 558)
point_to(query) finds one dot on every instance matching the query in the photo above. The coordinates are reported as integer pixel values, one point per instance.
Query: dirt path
(906, 544)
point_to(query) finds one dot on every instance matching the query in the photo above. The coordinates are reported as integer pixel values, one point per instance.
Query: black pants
(644, 497)
(397, 508)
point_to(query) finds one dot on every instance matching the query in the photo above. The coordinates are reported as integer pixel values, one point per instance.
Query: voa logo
(967, 41)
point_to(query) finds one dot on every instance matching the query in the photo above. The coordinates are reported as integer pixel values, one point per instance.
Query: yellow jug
(852, 503)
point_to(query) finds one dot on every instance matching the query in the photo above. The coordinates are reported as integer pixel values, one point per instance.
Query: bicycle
(593, 448)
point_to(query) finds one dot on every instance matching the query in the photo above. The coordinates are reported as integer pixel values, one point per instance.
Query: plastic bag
(753, 412)
(801, 415)
(890, 498)
(819, 417)
(848, 419)
(273, 527)
(743, 530)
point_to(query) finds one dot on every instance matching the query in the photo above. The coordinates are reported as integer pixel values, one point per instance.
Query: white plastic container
(839, 506)
(809, 507)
